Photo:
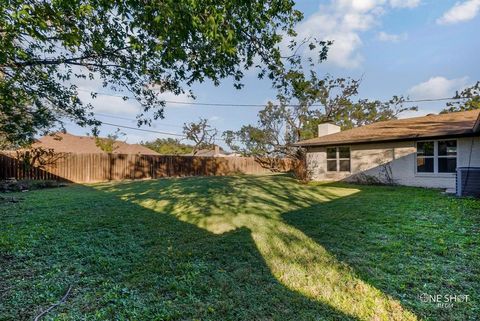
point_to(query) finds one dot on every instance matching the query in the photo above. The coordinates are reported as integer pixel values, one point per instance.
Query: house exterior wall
(395, 160)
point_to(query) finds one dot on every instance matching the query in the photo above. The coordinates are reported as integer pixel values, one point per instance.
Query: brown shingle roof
(67, 143)
(430, 126)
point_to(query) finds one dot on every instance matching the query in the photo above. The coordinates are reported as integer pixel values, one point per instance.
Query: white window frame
(435, 157)
(338, 159)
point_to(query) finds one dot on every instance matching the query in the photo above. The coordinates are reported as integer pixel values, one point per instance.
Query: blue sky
(418, 48)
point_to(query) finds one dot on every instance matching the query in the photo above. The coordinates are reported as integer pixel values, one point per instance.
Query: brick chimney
(327, 129)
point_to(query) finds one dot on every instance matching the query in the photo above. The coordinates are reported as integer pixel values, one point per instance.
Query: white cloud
(109, 104)
(405, 3)
(343, 21)
(461, 11)
(215, 118)
(390, 37)
(114, 103)
(437, 87)
(359, 6)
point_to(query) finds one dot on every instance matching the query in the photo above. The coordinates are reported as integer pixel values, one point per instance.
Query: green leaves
(471, 100)
(168, 146)
(129, 47)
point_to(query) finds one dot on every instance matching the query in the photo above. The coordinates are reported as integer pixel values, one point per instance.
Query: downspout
(476, 127)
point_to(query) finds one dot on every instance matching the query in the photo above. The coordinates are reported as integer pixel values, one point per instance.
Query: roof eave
(414, 138)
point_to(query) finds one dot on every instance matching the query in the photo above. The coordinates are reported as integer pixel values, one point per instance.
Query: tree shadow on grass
(405, 242)
(222, 274)
(127, 261)
(255, 204)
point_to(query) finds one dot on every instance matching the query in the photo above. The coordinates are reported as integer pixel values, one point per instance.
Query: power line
(216, 104)
(263, 105)
(184, 102)
(290, 105)
(113, 116)
(130, 119)
(434, 99)
(144, 130)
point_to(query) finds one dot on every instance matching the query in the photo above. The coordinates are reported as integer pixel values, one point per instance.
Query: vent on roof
(468, 181)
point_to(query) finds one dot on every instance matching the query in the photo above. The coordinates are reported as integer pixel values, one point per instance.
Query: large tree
(141, 48)
(304, 101)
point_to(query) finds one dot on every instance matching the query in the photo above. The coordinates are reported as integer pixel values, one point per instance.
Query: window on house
(332, 159)
(425, 157)
(338, 159)
(447, 156)
(437, 156)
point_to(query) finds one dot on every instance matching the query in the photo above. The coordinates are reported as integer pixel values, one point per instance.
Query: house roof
(68, 143)
(430, 126)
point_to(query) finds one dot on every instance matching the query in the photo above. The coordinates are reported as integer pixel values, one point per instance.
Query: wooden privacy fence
(84, 168)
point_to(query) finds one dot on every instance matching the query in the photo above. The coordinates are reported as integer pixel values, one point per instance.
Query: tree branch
(54, 305)
(70, 61)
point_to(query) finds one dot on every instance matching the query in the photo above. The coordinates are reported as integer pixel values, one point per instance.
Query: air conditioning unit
(468, 181)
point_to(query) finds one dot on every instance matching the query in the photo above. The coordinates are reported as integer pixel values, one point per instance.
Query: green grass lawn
(238, 248)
